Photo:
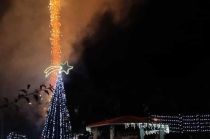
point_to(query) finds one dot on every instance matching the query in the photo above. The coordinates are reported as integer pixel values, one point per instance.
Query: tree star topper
(64, 67)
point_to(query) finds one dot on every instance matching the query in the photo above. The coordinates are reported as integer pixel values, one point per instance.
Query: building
(127, 127)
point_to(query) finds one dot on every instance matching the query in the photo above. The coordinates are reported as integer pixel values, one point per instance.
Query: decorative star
(64, 67)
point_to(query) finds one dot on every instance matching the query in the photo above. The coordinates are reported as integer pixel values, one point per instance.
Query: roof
(122, 120)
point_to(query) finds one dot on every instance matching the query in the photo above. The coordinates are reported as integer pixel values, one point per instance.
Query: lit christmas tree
(57, 124)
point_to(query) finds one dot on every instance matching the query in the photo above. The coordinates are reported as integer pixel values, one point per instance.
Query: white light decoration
(63, 68)
(186, 123)
(66, 68)
(149, 128)
(14, 135)
(51, 70)
(57, 124)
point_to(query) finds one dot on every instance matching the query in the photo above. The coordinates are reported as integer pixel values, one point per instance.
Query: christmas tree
(57, 124)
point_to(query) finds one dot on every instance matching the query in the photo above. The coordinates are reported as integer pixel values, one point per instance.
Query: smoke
(24, 52)
(24, 37)
(78, 17)
(24, 45)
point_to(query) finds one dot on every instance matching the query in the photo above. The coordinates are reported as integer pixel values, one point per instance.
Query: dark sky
(157, 58)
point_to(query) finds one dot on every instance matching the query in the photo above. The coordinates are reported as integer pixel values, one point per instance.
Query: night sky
(156, 60)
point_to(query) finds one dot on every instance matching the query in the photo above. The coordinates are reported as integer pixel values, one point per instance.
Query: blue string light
(57, 124)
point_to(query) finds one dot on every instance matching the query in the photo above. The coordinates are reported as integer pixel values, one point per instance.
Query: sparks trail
(55, 38)
(55, 35)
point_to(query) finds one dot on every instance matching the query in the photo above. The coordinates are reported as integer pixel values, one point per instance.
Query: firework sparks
(55, 38)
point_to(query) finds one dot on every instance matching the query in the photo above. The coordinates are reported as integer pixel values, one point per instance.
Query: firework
(55, 35)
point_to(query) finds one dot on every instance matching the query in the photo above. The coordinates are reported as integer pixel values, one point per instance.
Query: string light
(186, 123)
(149, 128)
(14, 135)
(57, 125)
